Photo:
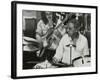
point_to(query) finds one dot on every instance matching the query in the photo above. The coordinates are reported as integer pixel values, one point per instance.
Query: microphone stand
(70, 53)
(71, 45)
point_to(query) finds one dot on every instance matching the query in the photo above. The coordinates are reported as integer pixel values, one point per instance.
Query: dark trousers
(48, 54)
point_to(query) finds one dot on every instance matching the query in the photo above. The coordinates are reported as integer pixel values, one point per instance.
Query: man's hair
(43, 17)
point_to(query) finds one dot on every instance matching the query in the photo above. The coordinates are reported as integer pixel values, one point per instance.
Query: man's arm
(85, 49)
(59, 52)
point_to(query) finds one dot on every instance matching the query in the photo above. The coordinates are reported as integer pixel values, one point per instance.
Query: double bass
(54, 33)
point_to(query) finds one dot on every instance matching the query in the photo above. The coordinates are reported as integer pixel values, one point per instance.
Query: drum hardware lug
(82, 61)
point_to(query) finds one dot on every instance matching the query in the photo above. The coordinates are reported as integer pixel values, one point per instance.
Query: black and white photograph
(54, 39)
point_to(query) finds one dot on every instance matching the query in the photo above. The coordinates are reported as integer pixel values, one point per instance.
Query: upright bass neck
(67, 18)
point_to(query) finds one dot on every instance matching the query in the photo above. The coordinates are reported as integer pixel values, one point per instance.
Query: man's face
(70, 29)
(49, 15)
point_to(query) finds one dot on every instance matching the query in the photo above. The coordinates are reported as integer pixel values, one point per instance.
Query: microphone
(71, 45)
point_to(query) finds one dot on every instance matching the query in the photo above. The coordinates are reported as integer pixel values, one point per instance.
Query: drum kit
(78, 62)
(31, 44)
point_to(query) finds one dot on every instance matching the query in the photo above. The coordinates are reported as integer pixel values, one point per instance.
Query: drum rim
(79, 58)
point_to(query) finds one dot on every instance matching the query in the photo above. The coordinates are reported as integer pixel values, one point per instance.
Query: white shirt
(42, 28)
(63, 51)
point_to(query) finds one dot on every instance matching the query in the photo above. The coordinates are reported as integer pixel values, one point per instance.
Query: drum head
(78, 62)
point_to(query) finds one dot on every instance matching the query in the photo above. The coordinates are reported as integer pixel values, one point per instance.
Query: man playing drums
(72, 45)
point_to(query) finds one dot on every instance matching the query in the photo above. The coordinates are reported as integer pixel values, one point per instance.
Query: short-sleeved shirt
(63, 51)
(42, 28)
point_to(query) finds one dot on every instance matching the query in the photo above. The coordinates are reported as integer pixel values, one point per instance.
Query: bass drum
(78, 62)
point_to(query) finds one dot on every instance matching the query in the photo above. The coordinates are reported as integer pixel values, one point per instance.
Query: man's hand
(55, 60)
(45, 44)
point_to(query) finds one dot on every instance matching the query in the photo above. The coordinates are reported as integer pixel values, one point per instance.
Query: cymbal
(32, 62)
(29, 39)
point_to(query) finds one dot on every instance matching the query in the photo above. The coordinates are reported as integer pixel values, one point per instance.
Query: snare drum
(78, 62)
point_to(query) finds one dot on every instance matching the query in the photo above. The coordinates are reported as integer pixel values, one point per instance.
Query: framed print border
(14, 38)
